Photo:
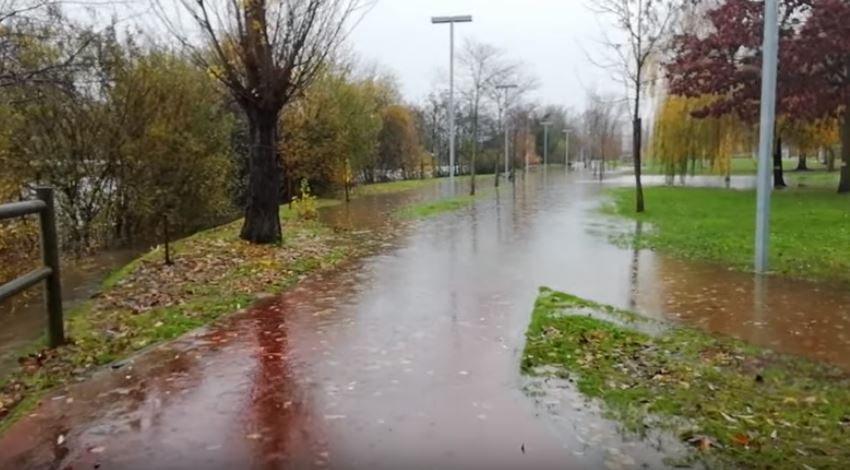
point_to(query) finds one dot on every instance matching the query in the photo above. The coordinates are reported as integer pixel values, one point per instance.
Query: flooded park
(409, 356)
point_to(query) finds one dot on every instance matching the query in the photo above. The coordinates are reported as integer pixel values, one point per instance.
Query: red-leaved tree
(814, 65)
(818, 63)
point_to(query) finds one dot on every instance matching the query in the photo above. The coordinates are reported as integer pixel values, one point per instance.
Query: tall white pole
(452, 104)
(506, 88)
(507, 169)
(770, 53)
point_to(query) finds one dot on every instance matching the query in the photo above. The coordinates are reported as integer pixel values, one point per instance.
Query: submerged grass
(146, 302)
(735, 404)
(430, 209)
(810, 228)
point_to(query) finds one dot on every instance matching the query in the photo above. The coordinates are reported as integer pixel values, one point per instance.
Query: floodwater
(409, 358)
(23, 319)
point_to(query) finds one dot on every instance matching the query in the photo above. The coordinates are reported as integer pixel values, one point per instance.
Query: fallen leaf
(97, 450)
(254, 436)
(728, 418)
(60, 440)
(741, 439)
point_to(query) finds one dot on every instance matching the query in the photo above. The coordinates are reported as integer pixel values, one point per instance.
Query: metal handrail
(44, 207)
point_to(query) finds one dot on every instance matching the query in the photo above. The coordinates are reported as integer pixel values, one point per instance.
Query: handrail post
(53, 283)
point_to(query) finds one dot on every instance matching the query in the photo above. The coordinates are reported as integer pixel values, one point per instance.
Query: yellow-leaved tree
(680, 140)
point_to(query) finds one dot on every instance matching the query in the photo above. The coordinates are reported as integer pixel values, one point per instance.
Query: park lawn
(407, 185)
(810, 228)
(392, 186)
(214, 274)
(733, 404)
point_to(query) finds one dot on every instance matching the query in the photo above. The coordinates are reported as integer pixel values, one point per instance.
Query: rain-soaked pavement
(409, 358)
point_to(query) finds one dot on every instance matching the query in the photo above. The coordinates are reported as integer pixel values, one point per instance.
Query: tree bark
(844, 184)
(262, 220)
(802, 165)
(778, 174)
(830, 160)
(636, 142)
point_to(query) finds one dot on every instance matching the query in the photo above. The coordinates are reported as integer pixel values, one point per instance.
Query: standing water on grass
(411, 355)
(23, 319)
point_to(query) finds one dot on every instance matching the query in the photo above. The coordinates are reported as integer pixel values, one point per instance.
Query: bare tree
(645, 25)
(601, 127)
(266, 52)
(504, 99)
(485, 67)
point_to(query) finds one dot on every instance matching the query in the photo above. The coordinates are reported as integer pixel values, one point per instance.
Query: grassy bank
(146, 302)
(810, 228)
(406, 185)
(735, 405)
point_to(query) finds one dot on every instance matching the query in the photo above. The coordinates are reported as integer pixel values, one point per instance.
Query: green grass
(146, 302)
(405, 185)
(393, 186)
(737, 406)
(430, 209)
(810, 228)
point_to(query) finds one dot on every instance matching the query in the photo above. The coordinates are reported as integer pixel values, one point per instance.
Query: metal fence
(43, 206)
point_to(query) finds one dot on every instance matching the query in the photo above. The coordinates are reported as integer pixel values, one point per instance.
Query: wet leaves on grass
(735, 404)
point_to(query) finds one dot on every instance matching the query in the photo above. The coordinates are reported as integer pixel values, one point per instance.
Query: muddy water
(23, 319)
(409, 358)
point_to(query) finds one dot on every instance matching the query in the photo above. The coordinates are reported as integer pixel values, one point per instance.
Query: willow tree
(680, 138)
(265, 52)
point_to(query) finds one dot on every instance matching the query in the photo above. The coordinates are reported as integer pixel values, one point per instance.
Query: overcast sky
(552, 37)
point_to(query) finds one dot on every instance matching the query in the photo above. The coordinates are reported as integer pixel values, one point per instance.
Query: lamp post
(506, 88)
(451, 20)
(546, 125)
(768, 118)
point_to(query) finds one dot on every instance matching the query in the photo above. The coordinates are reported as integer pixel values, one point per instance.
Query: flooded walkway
(410, 358)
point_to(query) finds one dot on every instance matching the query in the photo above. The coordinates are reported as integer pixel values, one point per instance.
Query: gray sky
(549, 36)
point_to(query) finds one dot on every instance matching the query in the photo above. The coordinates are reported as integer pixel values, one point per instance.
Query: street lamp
(768, 118)
(451, 20)
(505, 88)
(546, 125)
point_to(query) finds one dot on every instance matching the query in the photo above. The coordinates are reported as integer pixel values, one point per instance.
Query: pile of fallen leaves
(735, 404)
(214, 273)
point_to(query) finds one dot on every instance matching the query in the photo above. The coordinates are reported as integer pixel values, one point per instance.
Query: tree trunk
(844, 184)
(636, 142)
(801, 163)
(262, 220)
(778, 174)
(830, 160)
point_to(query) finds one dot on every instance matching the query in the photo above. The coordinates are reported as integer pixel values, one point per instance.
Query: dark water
(410, 357)
(24, 319)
